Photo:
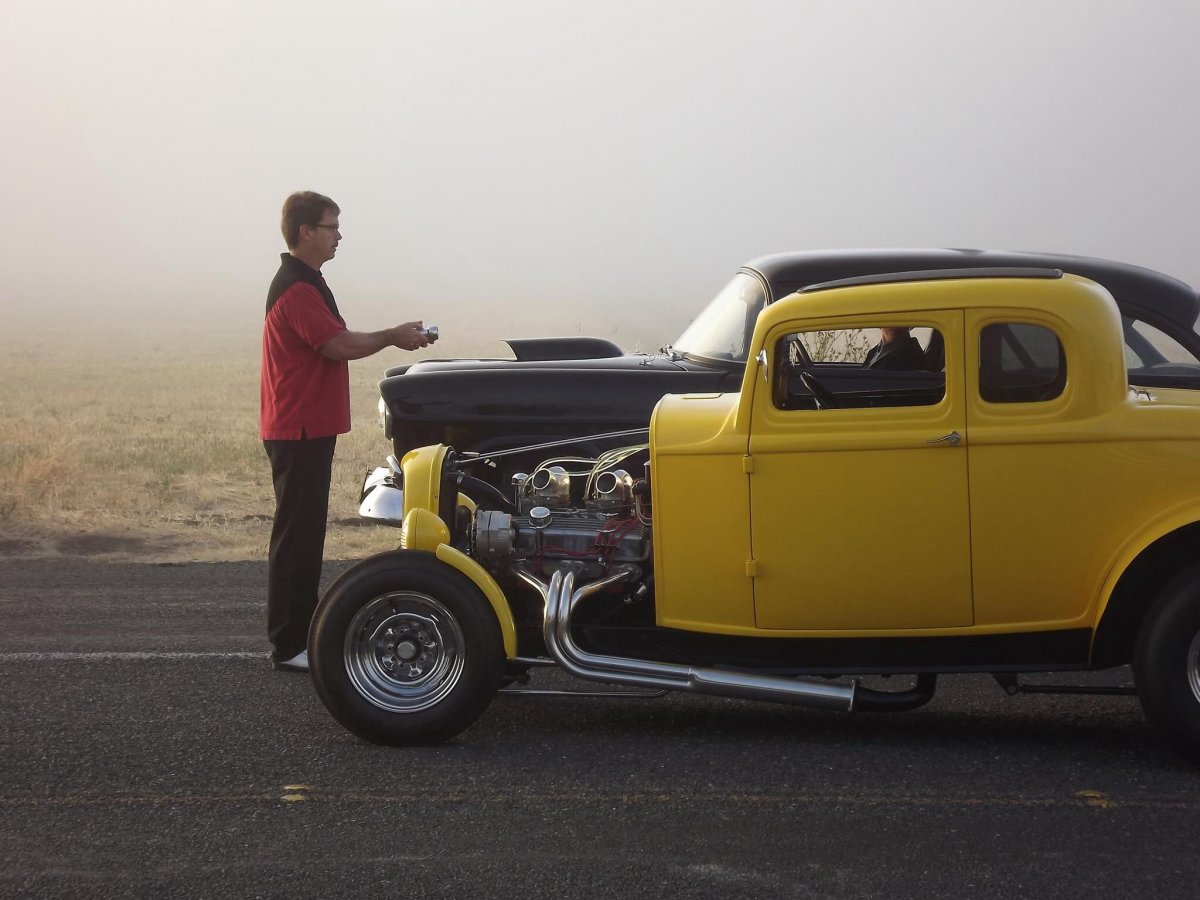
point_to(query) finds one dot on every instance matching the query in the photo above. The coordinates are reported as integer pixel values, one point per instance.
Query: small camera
(430, 332)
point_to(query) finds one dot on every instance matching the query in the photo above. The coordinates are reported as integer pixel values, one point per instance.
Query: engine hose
(485, 494)
(867, 700)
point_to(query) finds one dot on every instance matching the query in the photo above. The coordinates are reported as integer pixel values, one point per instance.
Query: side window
(1020, 363)
(1147, 346)
(856, 368)
(842, 345)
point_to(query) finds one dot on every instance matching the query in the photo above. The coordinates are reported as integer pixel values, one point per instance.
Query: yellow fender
(423, 530)
(1172, 520)
(482, 580)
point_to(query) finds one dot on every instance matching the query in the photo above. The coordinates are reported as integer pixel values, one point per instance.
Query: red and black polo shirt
(304, 394)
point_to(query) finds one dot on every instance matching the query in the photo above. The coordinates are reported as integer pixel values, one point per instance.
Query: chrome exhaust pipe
(562, 597)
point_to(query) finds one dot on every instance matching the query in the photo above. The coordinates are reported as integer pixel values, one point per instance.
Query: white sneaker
(298, 663)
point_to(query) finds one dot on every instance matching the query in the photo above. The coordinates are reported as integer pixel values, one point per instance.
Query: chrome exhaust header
(562, 597)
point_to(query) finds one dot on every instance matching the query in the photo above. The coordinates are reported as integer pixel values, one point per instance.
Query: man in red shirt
(305, 392)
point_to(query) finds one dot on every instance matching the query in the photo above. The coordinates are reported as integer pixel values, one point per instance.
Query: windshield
(724, 329)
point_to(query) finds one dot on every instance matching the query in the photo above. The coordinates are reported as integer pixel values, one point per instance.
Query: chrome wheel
(404, 651)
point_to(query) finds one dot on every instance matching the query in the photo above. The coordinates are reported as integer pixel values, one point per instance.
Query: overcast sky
(536, 167)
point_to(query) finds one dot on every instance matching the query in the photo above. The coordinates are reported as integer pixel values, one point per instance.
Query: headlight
(385, 419)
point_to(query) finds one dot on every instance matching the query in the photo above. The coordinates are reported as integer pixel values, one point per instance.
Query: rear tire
(405, 650)
(1166, 663)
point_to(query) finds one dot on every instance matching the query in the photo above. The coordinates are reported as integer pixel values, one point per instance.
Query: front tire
(405, 650)
(1166, 663)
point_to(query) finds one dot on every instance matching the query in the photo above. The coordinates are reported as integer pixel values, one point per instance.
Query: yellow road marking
(298, 794)
(1096, 799)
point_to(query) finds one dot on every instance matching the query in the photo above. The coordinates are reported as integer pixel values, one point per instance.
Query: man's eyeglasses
(334, 227)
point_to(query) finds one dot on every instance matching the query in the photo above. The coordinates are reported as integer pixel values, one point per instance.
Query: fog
(536, 167)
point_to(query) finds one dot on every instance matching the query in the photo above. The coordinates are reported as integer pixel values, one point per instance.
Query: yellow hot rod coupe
(922, 473)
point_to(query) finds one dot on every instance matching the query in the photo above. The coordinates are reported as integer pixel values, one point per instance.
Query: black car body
(564, 388)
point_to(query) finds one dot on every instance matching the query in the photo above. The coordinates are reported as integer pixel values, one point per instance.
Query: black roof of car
(1150, 294)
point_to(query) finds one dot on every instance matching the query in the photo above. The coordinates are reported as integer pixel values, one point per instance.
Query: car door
(859, 514)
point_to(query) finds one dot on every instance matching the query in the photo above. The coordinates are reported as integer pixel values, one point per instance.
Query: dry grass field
(144, 445)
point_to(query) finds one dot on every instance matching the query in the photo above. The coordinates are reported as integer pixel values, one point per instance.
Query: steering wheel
(823, 397)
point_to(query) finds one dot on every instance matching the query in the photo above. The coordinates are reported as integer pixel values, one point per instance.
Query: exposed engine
(591, 511)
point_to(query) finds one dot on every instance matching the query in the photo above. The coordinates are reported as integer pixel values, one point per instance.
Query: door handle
(953, 439)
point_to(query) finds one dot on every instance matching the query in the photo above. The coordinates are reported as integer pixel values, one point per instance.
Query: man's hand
(408, 336)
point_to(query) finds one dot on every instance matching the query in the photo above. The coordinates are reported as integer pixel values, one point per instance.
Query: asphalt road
(147, 749)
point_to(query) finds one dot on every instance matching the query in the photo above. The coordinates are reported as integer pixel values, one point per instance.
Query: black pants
(300, 471)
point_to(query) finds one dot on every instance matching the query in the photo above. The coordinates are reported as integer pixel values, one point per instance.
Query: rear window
(1147, 346)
